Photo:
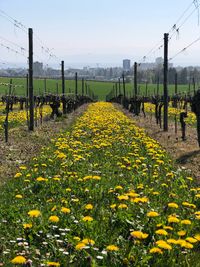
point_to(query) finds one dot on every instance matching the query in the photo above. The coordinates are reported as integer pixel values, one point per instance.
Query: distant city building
(159, 61)
(126, 64)
(37, 69)
(155, 65)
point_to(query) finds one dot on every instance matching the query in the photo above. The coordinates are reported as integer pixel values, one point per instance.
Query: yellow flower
(19, 196)
(113, 206)
(197, 237)
(88, 241)
(191, 239)
(80, 246)
(161, 232)
(112, 248)
(52, 263)
(155, 250)
(163, 244)
(18, 260)
(41, 179)
(54, 208)
(167, 227)
(22, 167)
(185, 244)
(123, 206)
(152, 214)
(89, 207)
(27, 225)
(118, 187)
(172, 205)
(87, 219)
(181, 233)
(123, 197)
(187, 222)
(34, 213)
(65, 210)
(54, 218)
(172, 241)
(173, 219)
(139, 234)
(17, 175)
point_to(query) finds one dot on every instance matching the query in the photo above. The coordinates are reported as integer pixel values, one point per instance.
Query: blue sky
(100, 32)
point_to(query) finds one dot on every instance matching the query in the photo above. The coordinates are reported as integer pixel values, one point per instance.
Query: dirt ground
(186, 154)
(23, 145)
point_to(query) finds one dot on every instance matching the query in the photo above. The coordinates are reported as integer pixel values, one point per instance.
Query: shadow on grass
(184, 158)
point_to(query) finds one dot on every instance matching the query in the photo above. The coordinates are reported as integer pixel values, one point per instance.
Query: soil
(24, 145)
(186, 154)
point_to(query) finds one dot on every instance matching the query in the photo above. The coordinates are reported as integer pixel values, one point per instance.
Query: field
(100, 89)
(101, 194)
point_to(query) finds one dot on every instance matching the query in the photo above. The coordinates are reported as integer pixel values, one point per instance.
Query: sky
(98, 33)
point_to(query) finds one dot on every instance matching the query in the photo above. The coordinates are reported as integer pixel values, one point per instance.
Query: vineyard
(99, 166)
(103, 193)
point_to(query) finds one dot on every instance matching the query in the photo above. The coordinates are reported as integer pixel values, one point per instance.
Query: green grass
(100, 88)
(102, 194)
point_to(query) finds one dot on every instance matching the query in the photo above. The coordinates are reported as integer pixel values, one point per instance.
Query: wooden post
(45, 85)
(63, 86)
(27, 87)
(86, 89)
(57, 88)
(176, 83)
(158, 84)
(146, 88)
(7, 111)
(82, 86)
(124, 86)
(165, 81)
(76, 84)
(135, 79)
(115, 86)
(119, 86)
(194, 85)
(31, 97)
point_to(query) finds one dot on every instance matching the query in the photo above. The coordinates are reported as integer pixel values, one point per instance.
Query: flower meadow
(101, 194)
(172, 112)
(19, 117)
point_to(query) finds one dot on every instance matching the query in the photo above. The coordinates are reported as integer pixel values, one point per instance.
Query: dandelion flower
(65, 210)
(163, 244)
(87, 219)
(155, 250)
(54, 218)
(186, 222)
(172, 205)
(52, 263)
(27, 225)
(181, 233)
(34, 213)
(161, 232)
(89, 207)
(139, 234)
(152, 214)
(112, 248)
(18, 260)
(80, 246)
